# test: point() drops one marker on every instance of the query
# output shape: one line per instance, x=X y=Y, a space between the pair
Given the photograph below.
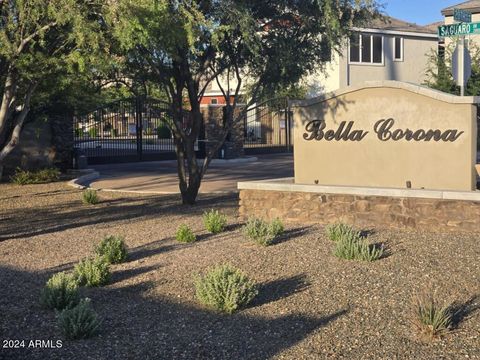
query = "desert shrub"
x=90 y=196
x=60 y=292
x=258 y=230
x=353 y=247
x=214 y=221
x=262 y=232
x=92 y=272
x=225 y=288
x=431 y=316
x=337 y=231
x=185 y=234
x=276 y=227
x=24 y=177
x=112 y=249
x=79 y=322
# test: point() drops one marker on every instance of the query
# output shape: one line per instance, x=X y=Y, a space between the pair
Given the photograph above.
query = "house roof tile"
x=393 y=24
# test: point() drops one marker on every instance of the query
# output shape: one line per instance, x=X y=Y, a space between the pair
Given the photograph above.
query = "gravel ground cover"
x=311 y=305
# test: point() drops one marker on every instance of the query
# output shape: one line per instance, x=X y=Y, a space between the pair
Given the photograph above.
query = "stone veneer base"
x=430 y=210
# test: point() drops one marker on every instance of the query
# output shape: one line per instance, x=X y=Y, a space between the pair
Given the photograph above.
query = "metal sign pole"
x=461 y=61
x=462 y=66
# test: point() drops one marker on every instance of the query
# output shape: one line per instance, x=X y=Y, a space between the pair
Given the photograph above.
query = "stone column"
x=214 y=119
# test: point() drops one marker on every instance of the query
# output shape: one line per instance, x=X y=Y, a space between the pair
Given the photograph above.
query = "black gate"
x=126 y=131
x=268 y=127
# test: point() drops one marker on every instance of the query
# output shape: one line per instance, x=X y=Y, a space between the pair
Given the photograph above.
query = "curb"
x=82 y=181
x=241 y=160
x=153 y=192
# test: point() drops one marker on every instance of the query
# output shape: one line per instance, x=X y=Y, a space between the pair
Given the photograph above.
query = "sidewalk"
x=161 y=176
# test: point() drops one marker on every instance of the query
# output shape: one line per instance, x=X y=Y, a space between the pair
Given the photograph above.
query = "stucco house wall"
x=411 y=69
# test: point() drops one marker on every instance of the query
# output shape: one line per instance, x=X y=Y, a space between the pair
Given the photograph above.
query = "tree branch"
x=20 y=119
x=29 y=38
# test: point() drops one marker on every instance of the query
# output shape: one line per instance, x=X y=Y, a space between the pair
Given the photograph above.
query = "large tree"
x=39 y=40
x=184 y=45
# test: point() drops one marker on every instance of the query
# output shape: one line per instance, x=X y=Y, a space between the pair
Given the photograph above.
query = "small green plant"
x=431 y=316
x=214 y=221
x=258 y=231
x=79 y=322
x=353 y=247
x=93 y=132
x=225 y=288
x=276 y=227
x=24 y=177
x=185 y=234
x=336 y=232
x=262 y=232
x=92 y=272
x=60 y=292
x=90 y=196
x=112 y=249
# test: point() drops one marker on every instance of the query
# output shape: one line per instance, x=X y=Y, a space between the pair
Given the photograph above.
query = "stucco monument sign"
x=386 y=137
x=386 y=154
x=384 y=130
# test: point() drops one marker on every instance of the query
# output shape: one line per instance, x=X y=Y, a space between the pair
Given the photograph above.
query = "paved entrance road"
x=161 y=176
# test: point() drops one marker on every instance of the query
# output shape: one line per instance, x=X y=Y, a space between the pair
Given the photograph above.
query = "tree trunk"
x=18 y=121
x=189 y=174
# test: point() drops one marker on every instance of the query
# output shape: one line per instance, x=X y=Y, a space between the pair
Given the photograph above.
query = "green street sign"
x=459 y=29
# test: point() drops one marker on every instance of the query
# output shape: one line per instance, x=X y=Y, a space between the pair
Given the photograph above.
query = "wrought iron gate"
x=268 y=127
x=125 y=131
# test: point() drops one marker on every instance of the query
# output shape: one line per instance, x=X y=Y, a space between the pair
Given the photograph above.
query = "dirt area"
x=311 y=305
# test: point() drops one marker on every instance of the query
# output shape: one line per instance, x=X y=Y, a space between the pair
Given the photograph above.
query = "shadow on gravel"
x=280 y=289
x=143 y=325
x=233 y=227
x=463 y=310
x=150 y=249
x=73 y=214
x=290 y=234
x=121 y=275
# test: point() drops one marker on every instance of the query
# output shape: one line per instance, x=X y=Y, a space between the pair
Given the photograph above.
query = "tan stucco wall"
x=411 y=69
x=324 y=80
x=372 y=162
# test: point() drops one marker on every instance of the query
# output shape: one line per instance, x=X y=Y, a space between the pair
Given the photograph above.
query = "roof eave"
x=449 y=12
x=398 y=32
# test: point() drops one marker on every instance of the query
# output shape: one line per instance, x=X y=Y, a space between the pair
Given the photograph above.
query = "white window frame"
x=371 y=63
x=214 y=101
x=401 y=48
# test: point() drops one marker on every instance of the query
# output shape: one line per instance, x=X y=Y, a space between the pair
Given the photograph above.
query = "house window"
x=214 y=101
x=366 y=49
x=398 y=49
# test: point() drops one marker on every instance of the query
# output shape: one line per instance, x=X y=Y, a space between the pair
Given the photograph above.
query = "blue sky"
x=421 y=12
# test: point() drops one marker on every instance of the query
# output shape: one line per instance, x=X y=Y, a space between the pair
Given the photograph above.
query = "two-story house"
x=386 y=50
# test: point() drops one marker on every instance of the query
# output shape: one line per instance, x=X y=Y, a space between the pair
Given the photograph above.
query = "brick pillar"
x=62 y=140
x=213 y=116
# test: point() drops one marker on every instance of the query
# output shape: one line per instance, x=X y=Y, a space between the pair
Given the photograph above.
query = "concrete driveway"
x=161 y=176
